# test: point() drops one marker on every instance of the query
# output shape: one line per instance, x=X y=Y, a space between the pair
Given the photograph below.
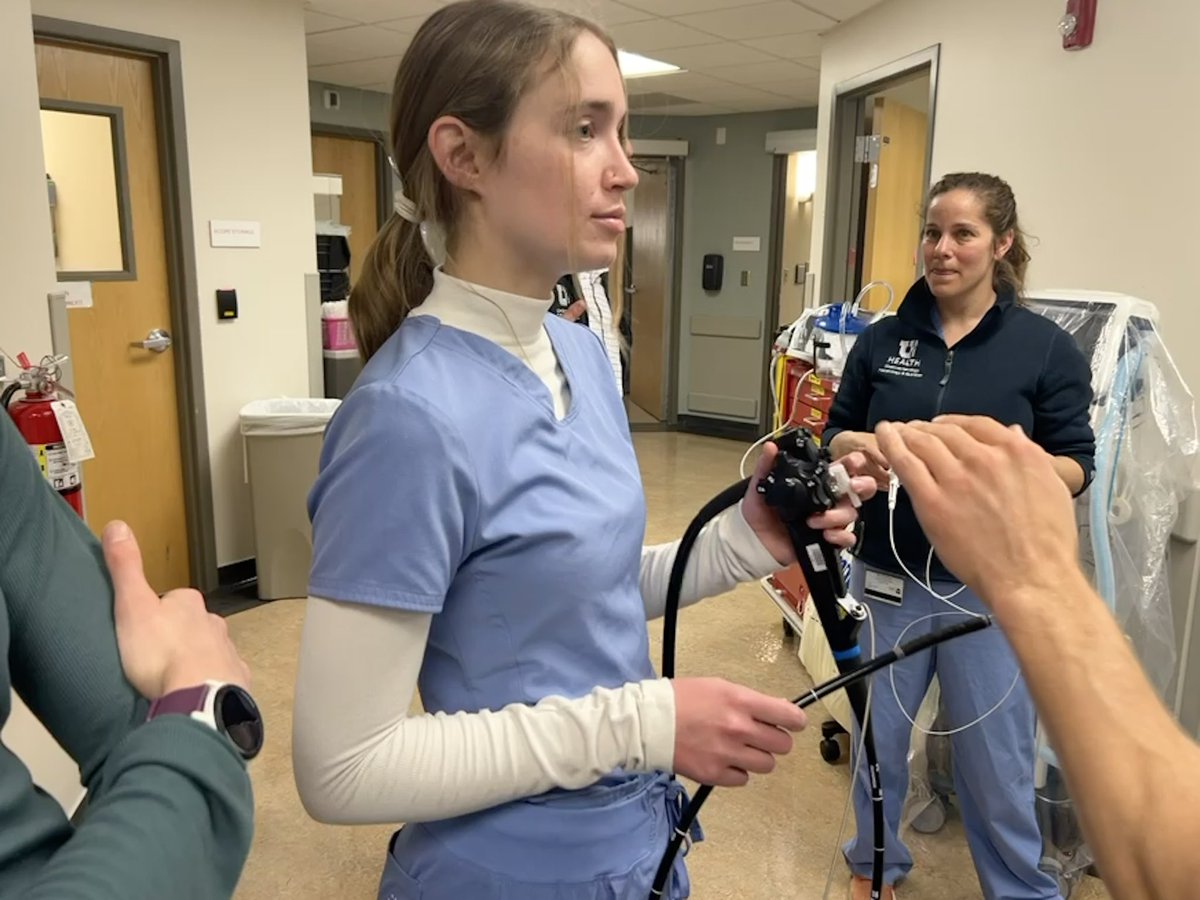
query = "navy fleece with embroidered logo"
x=1016 y=366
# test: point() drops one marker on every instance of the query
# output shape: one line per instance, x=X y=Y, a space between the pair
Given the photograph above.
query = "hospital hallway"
x=774 y=839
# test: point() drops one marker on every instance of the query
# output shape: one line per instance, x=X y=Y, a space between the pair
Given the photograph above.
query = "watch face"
x=238 y=717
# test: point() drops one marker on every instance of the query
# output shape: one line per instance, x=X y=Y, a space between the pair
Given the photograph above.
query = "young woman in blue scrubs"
x=478 y=518
x=961 y=343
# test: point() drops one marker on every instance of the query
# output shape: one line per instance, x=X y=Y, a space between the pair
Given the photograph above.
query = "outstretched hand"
x=989 y=500
x=773 y=533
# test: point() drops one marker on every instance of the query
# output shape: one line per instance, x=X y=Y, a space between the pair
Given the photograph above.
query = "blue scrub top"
x=448 y=486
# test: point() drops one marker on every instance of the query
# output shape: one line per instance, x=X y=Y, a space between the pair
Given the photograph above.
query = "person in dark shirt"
x=962 y=342
x=146 y=694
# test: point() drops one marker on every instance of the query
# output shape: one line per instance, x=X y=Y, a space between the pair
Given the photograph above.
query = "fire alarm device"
x=1078 y=24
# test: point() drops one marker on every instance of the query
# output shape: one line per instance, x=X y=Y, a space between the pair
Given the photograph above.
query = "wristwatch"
x=225 y=707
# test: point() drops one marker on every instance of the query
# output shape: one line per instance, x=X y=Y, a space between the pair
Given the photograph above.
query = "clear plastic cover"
x=1146 y=447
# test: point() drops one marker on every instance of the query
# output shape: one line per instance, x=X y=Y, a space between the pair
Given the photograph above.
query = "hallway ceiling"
x=739 y=55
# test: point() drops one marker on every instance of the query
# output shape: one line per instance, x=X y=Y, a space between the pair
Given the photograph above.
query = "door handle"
x=157 y=341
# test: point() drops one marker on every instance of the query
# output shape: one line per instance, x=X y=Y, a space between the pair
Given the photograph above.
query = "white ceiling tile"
x=789 y=46
x=670 y=84
x=350 y=44
x=407 y=25
x=801 y=91
x=764 y=105
x=315 y=21
x=371 y=11
x=382 y=87
x=809 y=88
x=606 y=12
x=682 y=7
x=726 y=94
x=840 y=9
x=659 y=34
x=713 y=55
x=755 y=73
x=694 y=109
x=357 y=74
x=611 y=14
x=760 y=20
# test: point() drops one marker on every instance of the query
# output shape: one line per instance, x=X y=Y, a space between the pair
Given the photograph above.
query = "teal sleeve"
x=170 y=808
x=173 y=818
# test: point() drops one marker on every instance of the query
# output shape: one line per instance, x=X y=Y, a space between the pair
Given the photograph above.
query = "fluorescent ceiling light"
x=635 y=66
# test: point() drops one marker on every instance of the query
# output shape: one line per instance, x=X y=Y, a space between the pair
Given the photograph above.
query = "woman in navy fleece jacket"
x=962 y=342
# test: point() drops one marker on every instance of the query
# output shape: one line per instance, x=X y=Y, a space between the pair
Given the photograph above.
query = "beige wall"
x=28 y=263
x=1091 y=141
x=246 y=101
x=26 y=253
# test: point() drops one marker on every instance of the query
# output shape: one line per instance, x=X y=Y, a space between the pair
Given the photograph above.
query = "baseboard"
x=721 y=428
x=236 y=574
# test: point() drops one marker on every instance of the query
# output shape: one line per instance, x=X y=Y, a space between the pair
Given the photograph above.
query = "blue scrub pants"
x=993 y=760
x=601 y=843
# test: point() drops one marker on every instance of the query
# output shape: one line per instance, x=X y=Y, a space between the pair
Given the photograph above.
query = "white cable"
x=762 y=440
x=858 y=756
x=904 y=712
x=893 y=490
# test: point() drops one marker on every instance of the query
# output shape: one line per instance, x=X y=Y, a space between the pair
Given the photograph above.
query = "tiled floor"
x=776 y=838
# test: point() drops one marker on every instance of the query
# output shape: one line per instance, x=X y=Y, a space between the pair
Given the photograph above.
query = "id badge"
x=884 y=587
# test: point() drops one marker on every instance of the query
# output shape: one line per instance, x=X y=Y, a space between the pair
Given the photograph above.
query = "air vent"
x=657 y=100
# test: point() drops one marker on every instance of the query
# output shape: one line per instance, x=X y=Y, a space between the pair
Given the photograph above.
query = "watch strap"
x=184 y=701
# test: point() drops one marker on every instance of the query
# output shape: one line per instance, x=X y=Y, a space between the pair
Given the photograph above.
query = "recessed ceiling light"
x=634 y=65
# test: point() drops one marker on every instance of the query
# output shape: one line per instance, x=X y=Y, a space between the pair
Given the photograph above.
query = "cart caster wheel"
x=831 y=750
x=788 y=631
x=1055 y=869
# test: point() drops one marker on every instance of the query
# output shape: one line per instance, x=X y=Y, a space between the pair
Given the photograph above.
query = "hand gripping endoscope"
x=803 y=482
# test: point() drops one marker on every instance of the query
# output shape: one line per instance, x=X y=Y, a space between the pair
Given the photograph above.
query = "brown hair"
x=1000 y=210
x=473 y=60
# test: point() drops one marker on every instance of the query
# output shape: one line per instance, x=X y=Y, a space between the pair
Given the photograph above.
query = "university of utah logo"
x=905 y=363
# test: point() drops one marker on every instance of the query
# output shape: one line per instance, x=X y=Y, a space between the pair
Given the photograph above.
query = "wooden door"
x=127 y=395
x=895 y=196
x=649 y=306
x=357 y=161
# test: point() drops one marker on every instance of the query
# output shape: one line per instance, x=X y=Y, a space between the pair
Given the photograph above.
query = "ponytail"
x=1009 y=275
x=396 y=276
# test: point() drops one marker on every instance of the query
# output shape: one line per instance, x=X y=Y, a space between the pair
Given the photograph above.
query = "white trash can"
x=282 y=444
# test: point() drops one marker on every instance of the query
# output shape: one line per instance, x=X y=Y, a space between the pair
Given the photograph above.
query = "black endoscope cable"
x=975 y=623
x=791 y=477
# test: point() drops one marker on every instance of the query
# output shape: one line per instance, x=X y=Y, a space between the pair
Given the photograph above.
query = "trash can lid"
x=287 y=415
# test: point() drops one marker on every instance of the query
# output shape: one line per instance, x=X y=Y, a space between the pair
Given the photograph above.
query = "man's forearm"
x=1126 y=761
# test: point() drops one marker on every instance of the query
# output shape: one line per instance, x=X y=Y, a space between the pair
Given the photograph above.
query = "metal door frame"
x=843 y=175
x=165 y=58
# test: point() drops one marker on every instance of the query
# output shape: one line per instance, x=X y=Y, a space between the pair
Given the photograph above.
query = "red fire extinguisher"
x=38 y=422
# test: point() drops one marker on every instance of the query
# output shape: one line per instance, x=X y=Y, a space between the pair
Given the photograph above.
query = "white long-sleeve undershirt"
x=361 y=756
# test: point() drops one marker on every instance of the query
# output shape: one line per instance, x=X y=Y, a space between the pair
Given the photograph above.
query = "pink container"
x=337 y=334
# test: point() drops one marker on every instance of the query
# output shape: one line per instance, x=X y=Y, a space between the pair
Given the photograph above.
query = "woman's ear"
x=457 y=151
x=1004 y=244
